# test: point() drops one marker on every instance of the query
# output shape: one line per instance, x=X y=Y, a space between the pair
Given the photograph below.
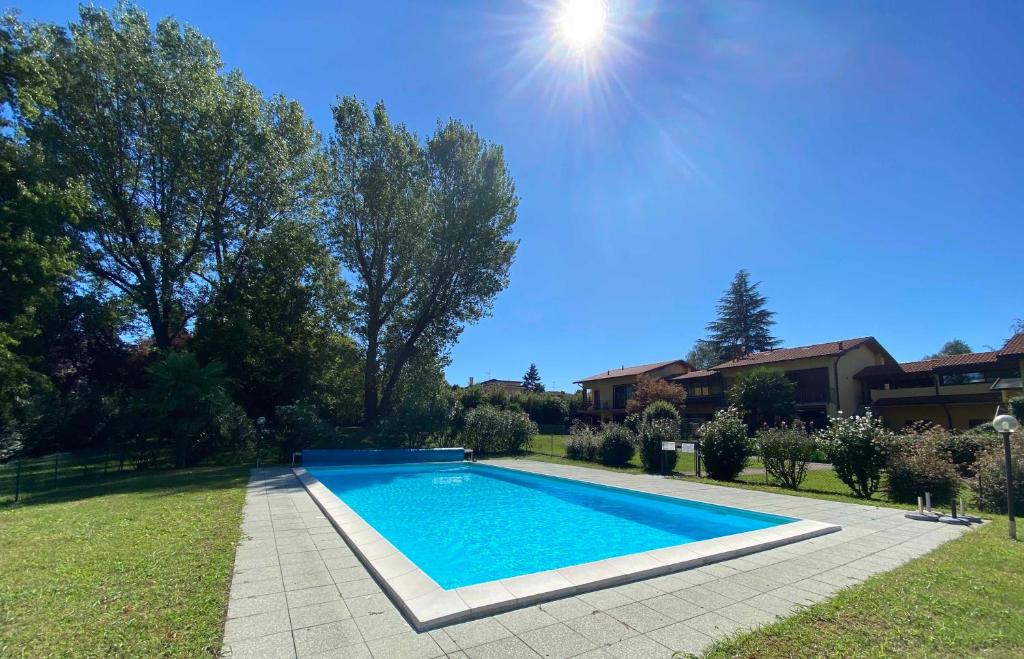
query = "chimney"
x=471 y=380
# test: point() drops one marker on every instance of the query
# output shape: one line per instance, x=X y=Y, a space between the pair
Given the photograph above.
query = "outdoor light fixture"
x=1006 y=424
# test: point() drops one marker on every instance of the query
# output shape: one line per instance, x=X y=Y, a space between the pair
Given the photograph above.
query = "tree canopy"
x=744 y=324
x=531 y=379
x=954 y=347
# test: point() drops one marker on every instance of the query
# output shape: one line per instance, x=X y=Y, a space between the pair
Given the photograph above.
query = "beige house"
x=608 y=392
x=957 y=392
x=824 y=374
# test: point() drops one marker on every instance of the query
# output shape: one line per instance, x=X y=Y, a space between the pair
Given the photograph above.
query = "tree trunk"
x=370 y=404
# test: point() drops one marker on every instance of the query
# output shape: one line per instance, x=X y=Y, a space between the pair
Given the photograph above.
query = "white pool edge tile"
x=427 y=606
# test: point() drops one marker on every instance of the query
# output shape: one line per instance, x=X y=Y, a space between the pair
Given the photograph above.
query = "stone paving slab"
x=299 y=591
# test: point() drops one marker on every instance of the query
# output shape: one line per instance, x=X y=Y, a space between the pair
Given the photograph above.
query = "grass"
x=963 y=599
x=132 y=564
x=554 y=446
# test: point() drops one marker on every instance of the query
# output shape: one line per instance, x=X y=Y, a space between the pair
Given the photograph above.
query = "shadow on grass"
x=156 y=482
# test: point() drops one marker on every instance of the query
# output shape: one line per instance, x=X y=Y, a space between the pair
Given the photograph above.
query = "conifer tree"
x=531 y=379
x=744 y=324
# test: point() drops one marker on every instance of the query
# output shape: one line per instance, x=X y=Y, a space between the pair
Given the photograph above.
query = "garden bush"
x=583 y=443
x=918 y=463
x=964 y=447
x=1017 y=408
x=765 y=396
x=858 y=447
x=548 y=409
x=785 y=451
x=659 y=423
x=724 y=445
x=490 y=430
x=989 y=484
x=618 y=445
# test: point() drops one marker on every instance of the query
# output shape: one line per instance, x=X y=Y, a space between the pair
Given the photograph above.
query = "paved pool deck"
x=299 y=591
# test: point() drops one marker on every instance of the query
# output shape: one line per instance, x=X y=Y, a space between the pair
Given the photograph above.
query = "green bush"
x=1017 y=407
x=724 y=446
x=859 y=448
x=583 y=443
x=766 y=397
x=544 y=408
x=964 y=447
x=918 y=463
x=785 y=451
x=659 y=423
x=618 y=445
x=490 y=430
x=989 y=484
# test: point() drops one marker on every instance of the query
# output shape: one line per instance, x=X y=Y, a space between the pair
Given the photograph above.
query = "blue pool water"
x=465 y=524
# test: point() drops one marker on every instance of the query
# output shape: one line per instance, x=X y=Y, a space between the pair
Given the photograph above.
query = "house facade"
x=956 y=391
x=607 y=393
x=824 y=375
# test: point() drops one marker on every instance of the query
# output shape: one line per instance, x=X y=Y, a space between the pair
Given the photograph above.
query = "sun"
x=581 y=23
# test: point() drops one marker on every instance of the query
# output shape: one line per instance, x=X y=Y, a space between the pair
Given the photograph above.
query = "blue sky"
x=864 y=160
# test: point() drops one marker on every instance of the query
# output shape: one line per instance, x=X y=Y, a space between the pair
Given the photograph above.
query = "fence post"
x=260 y=424
x=17 y=481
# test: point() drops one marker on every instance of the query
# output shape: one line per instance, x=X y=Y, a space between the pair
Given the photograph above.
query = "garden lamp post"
x=1004 y=425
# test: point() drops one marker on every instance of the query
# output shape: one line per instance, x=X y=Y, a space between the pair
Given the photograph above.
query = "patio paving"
x=299 y=591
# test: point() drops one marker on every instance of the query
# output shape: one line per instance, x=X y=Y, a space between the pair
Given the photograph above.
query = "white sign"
x=668 y=446
x=686 y=447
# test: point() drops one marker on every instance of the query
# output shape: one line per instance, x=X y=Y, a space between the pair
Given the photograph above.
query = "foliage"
x=300 y=426
x=963 y=446
x=423 y=229
x=583 y=443
x=490 y=430
x=544 y=408
x=919 y=463
x=184 y=164
x=186 y=406
x=724 y=446
x=531 y=379
x=618 y=445
x=990 y=482
x=426 y=407
x=785 y=451
x=858 y=448
x=766 y=396
x=1017 y=407
x=954 y=347
x=659 y=422
x=649 y=390
x=744 y=324
x=703 y=355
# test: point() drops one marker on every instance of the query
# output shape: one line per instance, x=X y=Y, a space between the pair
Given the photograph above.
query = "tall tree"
x=531 y=379
x=744 y=324
x=703 y=355
x=949 y=348
x=423 y=230
x=184 y=165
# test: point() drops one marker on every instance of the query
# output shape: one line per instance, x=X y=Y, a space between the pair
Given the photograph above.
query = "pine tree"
x=531 y=379
x=743 y=325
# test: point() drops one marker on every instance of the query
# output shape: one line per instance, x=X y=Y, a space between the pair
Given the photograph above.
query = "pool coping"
x=427 y=606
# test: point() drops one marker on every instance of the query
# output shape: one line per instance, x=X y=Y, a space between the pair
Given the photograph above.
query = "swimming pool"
x=453 y=541
x=465 y=523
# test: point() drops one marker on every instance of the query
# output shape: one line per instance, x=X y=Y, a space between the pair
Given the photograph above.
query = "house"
x=608 y=392
x=511 y=386
x=824 y=374
x=955 y=391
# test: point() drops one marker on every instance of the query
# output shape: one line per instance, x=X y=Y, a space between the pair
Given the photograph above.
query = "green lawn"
x=966 y=598
x=135 y=564
x=554 y=445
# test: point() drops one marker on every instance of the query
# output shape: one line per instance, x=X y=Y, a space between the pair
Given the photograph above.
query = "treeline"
x=182 y=256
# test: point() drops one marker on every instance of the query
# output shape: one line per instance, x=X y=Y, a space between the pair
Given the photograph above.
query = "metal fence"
x=688 y=460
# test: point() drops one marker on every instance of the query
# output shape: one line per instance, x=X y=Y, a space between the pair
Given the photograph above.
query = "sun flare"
x=581 y=23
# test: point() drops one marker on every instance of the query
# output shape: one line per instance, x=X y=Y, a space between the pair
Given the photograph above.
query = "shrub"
x=583 y=443
x=766 y=396
x=1017 y=408
x=858 y=447
x=964 y=447
x=724 y=446
x=918 y=463
x=649 y=390
x=618 y=445
x=544 y=408
x=659 y=423
x=490 y=430
x=785 y=451
x=990 y=483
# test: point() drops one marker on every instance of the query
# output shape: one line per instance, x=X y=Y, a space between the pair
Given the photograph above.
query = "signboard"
x=668 y=446
x=687 y=447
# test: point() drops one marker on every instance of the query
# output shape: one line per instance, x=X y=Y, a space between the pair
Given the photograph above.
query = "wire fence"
x=688 y=461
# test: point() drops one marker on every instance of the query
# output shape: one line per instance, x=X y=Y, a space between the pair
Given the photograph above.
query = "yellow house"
x=608 y=392
x=956 y=391
x=824 y=374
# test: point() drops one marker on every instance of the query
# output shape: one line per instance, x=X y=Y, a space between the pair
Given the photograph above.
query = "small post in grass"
x=1005 y=424
x=260 y=423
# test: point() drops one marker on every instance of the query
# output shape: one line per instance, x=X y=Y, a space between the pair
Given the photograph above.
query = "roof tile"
x=830 y=349
x=629 y=370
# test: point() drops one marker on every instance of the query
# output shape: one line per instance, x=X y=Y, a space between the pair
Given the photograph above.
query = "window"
x=621 y=394
x=811 y=384
x=975 y=377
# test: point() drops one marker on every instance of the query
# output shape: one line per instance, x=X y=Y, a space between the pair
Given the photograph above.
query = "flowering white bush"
x=859 y=448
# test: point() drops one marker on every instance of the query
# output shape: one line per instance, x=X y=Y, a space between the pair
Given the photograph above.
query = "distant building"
x=511 y=386
x=607 y=393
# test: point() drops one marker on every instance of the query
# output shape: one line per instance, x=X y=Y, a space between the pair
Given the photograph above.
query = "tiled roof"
x=630 y=370
x=693 y=375
x=931 y=365
x=1015 y=346
x=830 y=349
